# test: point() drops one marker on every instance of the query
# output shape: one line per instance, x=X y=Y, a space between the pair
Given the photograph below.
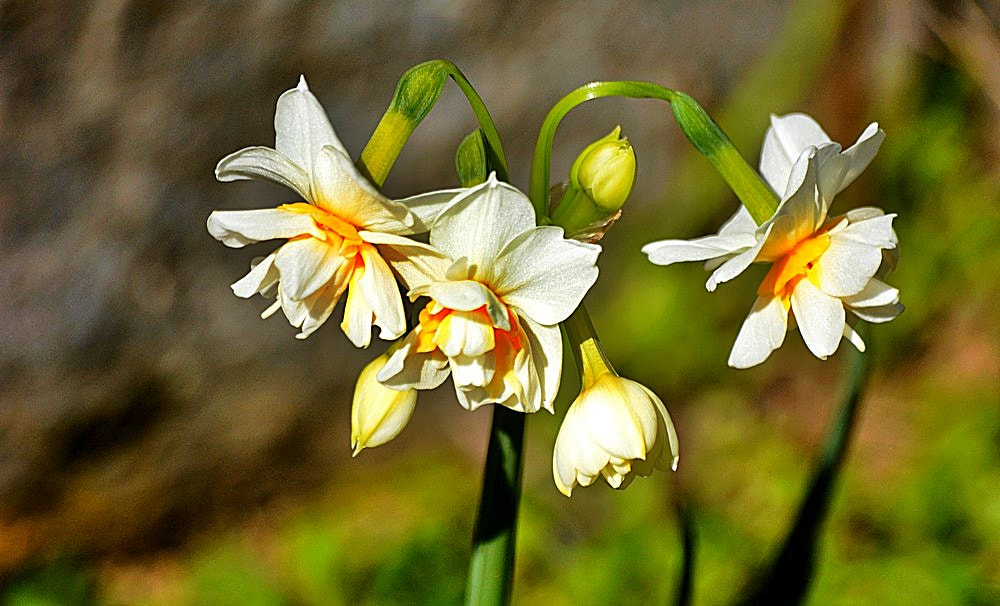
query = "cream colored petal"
x=670 y=453
x=319 y=307
x=878 y=314
x=306 y=265
x=615 y=424
x=545 y=275
x=471 y=371
x=545 y=349
x=264 y=163
x=854 y=338
x=762 y=332
x=785 y=140
x=261 y=277
x=799 y=215
x=876 y=231
x=820 y=318
x=481 y=222
x=339 y=188
x=667 y=252
x=876 y=293
x=428 y=206
x=738 y=264
x=844 y=168
x=237 y=228
x=358 y=313
x=468 y=295
x=301 y=127
x=382 y=293
x=417 y=264
x=407 y=368
x=846 y=267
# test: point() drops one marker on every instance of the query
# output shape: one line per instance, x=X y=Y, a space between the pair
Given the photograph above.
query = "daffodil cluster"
x=491 y=287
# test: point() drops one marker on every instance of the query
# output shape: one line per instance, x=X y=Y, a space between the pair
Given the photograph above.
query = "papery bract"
x=497 y=286
x=822 y=267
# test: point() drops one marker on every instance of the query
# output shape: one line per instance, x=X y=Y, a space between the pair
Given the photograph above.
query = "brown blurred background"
x=148 y=416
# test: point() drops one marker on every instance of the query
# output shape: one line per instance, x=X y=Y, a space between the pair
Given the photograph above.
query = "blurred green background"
x=159 y=444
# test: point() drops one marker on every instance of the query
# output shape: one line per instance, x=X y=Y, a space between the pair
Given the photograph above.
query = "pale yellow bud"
x=605 y=171
x=616 y=428
x=378 y=413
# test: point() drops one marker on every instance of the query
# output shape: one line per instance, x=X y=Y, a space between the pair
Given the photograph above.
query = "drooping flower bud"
x=379 y=413
x=600 y=182
x=616 y=428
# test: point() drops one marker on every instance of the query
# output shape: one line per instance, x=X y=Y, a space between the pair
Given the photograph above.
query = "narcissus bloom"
x=378 y=413
x=616 y=428
x=328 y=250
x=498 y=286
x=822 y=267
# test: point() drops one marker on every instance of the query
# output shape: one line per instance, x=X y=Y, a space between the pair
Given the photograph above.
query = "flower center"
x=469 y=333
x=797 y=264
x=326 y=221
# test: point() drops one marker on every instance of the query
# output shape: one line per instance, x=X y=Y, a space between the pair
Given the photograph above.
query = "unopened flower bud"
x=379 y=413
x=605 y=171
x=615 y=428
x=600 y=182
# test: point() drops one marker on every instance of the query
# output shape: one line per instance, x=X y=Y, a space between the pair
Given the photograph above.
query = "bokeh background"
x=160 y=444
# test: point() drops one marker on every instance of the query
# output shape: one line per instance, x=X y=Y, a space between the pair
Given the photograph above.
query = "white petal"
x=846 y=267
x=467 y=295
x=762 y=332
x=306 y=265
x=851 y=335
x=429 y=206
x=875 y=294
x=237 y=228
x=842 y=170
x=544 y=274
x=614 y=426
x=382 y=293
x=264 y=163
x=472 y=371
x=338 y=187
x=876 y=231
x=880 y=314
x=262 y=275
x=736 y=265
x=799 y=215
x=667 y=252
x=785 y=140
x=545 y=349
x=406 y=368
x=481 y=222
x=418 y=264
x=820 y=318
x=740 y=223
x=318 y=308
x=301 y=127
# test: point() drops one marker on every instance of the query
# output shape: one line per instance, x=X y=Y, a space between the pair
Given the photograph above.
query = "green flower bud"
x=600 y=182
x=605 y=171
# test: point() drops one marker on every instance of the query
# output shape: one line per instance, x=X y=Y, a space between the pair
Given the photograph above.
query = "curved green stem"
x=417 y=92
x=699 y=128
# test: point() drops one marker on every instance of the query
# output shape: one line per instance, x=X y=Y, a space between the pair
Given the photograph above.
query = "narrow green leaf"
x=788 y=578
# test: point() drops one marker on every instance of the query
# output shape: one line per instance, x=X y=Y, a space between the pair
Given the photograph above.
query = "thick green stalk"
x=491 y=570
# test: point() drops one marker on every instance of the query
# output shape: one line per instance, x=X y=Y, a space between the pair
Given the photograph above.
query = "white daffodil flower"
x=328 y=250
x=822 y=268
x=615 y=428
x=498 y=288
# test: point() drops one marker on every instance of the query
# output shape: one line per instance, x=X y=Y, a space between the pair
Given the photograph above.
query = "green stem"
x=417 y=92
x=491 y=570
x=706 y=136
